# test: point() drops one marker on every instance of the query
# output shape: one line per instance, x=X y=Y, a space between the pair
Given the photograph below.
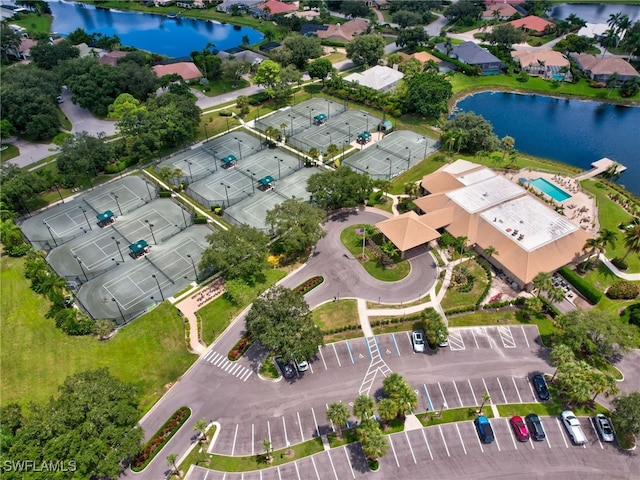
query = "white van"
x=572 y=424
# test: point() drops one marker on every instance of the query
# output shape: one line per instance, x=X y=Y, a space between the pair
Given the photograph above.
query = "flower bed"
x=162 y=436
x=309 y=285
x=240 y=347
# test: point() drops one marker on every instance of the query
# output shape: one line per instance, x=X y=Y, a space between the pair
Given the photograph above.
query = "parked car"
x=485 y=432
x=286 y=368
x=519 y=428
x=572 y=424
x=541 y=386
x=535 y=427
x=444 y=343
x=302 y=366
x=59 y=99
x=417 y=338
x=604 y=427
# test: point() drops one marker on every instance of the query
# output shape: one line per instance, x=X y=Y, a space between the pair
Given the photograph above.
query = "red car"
x=520 y=428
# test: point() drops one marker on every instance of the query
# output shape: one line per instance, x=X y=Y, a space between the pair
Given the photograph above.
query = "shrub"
x=634 y=314
x=199 y=220
x=225 y=113
x=73 y=322
x=585 y=288
x=309 y=285
x=258 y=98
x=164 y=193
x=619 y=263
x=161 y=437
x=240 y=347
x=115 y=167
x=18 y=250
x=623 y=290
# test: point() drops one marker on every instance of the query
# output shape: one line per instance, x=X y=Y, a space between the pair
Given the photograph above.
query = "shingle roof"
x=424 y=57
x=605 y=66
x=407 y=231
x=346 y=30
x=275 y=7
x=472 y=54
x=504 y=9
x=187 y=70
x=549 y=57
x=532 y=22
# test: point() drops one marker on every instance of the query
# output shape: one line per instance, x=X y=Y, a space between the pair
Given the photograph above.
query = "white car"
x=572 y=424
x=302 y=366
x=417 y=338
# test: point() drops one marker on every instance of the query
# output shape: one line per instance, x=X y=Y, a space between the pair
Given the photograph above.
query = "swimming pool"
x=550 y=189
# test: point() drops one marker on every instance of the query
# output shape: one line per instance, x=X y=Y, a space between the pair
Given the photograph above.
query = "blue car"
x=485 y=432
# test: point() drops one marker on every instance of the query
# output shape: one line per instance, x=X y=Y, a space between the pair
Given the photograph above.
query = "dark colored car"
x=535 y=427
x=485 y=432
x=286 y=368
x=519 y=428
x=541 y=387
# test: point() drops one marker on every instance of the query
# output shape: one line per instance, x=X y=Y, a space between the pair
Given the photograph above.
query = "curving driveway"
x=345 y=277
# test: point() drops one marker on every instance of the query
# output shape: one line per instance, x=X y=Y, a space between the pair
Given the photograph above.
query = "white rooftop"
x=459 y=166
x=485 y=194
x=378 y=77
x=535 y=223
x=476 y=176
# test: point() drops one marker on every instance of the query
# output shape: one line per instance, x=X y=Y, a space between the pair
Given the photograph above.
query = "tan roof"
x=345 y=31
x=112 y=58
x=407 y=231
x=505 y=10
x=440 y=182
x=187 y=70
x=424 y=57
x=549 y=58
x=438 y=218
x=26 y=44
x=532 y=22
x=606 y=66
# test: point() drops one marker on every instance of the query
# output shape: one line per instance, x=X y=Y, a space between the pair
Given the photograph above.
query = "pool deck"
x=580 y=208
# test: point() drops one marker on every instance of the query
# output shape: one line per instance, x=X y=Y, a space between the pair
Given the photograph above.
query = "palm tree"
x=332 y=149
x=607 y=237
x=485 y=398
x=283 y=128
x=560 y=356
x=387 y=409
x=612 y=82
x=245 y=40
x=490 y=251
x=338 y=414
x=542 y=281
x=268 y=450
x=313 y=153
x=10 y=233
x=389 y=248
x=171 y=461
x=401 y=393
x=507 y=143
x=614 y=18
x=609 y=39
x=200 y=426
x=363 y=407
x=555 y=294
x=632 y=241
x=373 y=441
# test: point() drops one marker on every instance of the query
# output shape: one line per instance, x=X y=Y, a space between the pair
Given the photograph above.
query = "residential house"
x=533 y=25
x=243 y=5
x=510 y=2
x=10 y=11
x=601 y=69
x=270 y=8
x=306 y=14
x=87 y=51
x=472 y=55
x=379 y=4
x=112 y=58
x=424 y=57
x=499 y=11
x=245 y=55
x=311 y=29
x=383 y=79
x=187 y=70
x=543 y=63
x=344 y=32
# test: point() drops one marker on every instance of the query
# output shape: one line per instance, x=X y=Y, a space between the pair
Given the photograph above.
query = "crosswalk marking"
x=233 y=368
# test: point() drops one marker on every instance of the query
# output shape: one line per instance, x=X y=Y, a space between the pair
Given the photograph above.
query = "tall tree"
x=366 y=49
x=281 y=321
x=507 y=143
x=338 y=414
x=84 y=154
x=505 y=36
x=560 y=355
x=363 y=407
x=427 y=94
x=480 y=134
x=401 y=393
x=626 y=415
x=303 y=49
x=632 y=241
x=321 y=69
x=9 y=41
x=373 y=441
x=296 y=224
x=340 y=188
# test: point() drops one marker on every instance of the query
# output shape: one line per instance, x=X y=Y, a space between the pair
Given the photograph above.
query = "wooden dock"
x=599 y=167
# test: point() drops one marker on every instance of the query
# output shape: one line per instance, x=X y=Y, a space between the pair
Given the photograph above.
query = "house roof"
x=345 y=31
x=424 y=57
x=308 y=28
x=275 y=7
x=26 y=44
x=504 y=9
x=377 y=77
x=532 y=22
x=407 y=231
x=187 y=70
x=472 y=54
x=550 y=58
x=112 y=58
x=605 y=66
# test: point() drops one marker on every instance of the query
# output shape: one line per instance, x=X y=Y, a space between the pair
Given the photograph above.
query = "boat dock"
x=601 y=166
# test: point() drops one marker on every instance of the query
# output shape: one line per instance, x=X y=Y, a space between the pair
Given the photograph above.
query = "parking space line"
x=546 y=437
x=310 y=367
x=336 y=352
x=593 y=427
x=253 y=432
x=322 y=356
x=393 y=449
x=533 y=394
x=531 y=442
x=313 y=462
x=475 y=400
x=427 y=443
x=269 y=432
x=444 y=399
x=516 y=387
x=410 y=447
x=486 y=390
x=350 y=352
x=486 y=334
x=395 y=343
x=426 y=392
x=300 y=425
x=511 y=434
x=474 y=338
x=295 y=464
x=316 y=421
x=503 y=395
x=366 y=343
x=332 y=465
x=277 y=469
x=225 y=475
x=478 y=438
x=525 y=336
x=495 y=437
x=460 y=436
x=410 y=342
x=344 y=449
x=235 y=435
x=562 y=433
x=444 y=441
x=506 y=336
x=284 y=427
x=458 y=393
x=455 y=340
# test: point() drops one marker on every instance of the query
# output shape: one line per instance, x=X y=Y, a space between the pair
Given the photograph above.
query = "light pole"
x=239 y=146
x=278 y=160
x=117 y=202
x=310 y=110
x=85 y=217
x=215 y=160
x=81 y=267
x=226 y=191
x=150 y=225
x=367 y=118
x=328 y=109
x=206 y=134
x=292 y=118
x=50 y=233
x=119 y=309
x=89 y=177
x=389 y=167
x=425 y=146
x=158 y=283
x=344 y=146
x=330 y=140
x=409 y=159
x=253 y=181
x=227 y=124
x=148 y=189
x=118 y=245
x=190 y=174
x=349 y=131
x=59 y=194
x=184 y=217
x=195 y=271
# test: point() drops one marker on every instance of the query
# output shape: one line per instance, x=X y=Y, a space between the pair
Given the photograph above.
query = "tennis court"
x=340 y=130
x=134 y=286
x=300 y=117
x=253 y=210
x=394 y=154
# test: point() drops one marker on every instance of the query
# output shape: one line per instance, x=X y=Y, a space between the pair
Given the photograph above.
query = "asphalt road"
x=344 y=277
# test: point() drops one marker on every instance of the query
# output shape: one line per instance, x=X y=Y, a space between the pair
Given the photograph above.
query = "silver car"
x=417 y=338
x=604 y=427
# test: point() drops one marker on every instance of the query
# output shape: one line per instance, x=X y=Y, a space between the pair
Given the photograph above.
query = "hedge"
x=309 y=285
x=199 y=220
x=161 y=437
x=466 y=69
x=164 y=193
x=240 y=347
x=587 y=290
x=487 y=270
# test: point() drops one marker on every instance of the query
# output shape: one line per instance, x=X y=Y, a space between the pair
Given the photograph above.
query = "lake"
x=153 y=33
x=576 y=132
x=597 y=13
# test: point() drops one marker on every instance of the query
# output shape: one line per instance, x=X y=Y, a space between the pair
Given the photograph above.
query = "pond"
x=576 y=132
x=154 y=33
x=595 y=13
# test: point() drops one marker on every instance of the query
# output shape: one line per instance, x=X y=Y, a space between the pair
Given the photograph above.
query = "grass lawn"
x=213 y=123
x=36 y=357
x=453 y=415
x=11 y=151
x=268 y=369
x=216 y=316
x=334 y=315
x=456 y=299
x=339 y=337
x=221 y=86
x=34 y=23
x=353 y=242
